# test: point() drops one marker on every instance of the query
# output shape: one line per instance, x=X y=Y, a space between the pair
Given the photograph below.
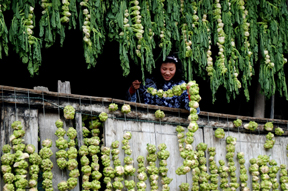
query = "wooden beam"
x=86 y=100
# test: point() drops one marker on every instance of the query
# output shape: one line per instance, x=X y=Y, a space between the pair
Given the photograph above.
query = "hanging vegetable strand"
x=21 y=35
x=93 y=30
x=3 y=29
x=50 y=21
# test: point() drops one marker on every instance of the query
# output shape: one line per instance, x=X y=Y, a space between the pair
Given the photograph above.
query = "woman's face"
x=168 y=70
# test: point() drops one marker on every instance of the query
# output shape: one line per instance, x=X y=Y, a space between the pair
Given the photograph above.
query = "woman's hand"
x=136 y=84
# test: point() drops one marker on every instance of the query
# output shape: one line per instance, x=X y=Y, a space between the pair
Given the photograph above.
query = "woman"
x=166 y=75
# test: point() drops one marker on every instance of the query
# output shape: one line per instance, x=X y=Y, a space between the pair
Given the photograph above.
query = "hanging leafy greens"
x=5 y=5
x=91 y=19
x=21 y=35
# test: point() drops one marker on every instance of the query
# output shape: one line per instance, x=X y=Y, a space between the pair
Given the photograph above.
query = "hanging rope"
x=16 y=116
x=29 y=108
x=58 y=105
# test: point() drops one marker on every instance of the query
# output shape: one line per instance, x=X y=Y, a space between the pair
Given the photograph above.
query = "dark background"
x=105 y=79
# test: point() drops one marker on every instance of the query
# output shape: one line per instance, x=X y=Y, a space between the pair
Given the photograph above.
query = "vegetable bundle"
x=254 y=170
x=230 y=148
x=142 y=176
x=213 y=169
x=47 y=164
x=163 y=155
x=152 y=170
x=243 y=171
x=21 y=35
x=203 y=176
x=3 y=29
x=269 y=143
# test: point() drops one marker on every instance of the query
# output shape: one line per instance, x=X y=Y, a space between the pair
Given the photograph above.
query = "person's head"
x=169 y=69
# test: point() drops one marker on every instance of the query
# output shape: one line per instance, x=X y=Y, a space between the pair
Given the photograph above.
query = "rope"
x=43 y=104
x=58 y=105
x=16 y=116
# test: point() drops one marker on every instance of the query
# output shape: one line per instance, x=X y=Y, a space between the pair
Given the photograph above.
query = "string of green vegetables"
x=5 y=5
x=21 y=35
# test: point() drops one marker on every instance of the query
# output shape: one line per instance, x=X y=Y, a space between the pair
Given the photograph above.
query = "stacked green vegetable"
x=269 y=143
x=129 y=170
x=94 y=126
x=20 y=166
x=109 y=172
x=252 y=126
x=204 y=176
x=119 y=170
x=96 y=174
x=91 y=20
x=283 y=177
x=34 y=167
x=126 y=147
x=213 y=169
x=230 y=147
x=152 y=170
x=21 y=35
x=16 y=137
x=273 y=170
x=7 y=161
x=181 y=137
x=94 y=149
x=263 y=161
x=46 y=164
x=219 y=133
x=243 y=171
x=186 y=152
x=4 y=31
x=193 y=89
x=17 y=160
x=142 y=176
x=61 y=144
x=194 y=164
x=254 y=170
x=72 y=158
x=163 y=155
x=223 y=172
x=85 y=168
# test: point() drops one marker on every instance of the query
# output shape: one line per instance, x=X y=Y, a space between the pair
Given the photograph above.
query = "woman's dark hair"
x=159 y=80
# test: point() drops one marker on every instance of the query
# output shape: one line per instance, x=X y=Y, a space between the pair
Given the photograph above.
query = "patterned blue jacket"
x=181 y=101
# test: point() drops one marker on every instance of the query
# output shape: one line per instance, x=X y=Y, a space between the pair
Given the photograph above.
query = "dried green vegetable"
x=21 y=35
x=92 y=23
